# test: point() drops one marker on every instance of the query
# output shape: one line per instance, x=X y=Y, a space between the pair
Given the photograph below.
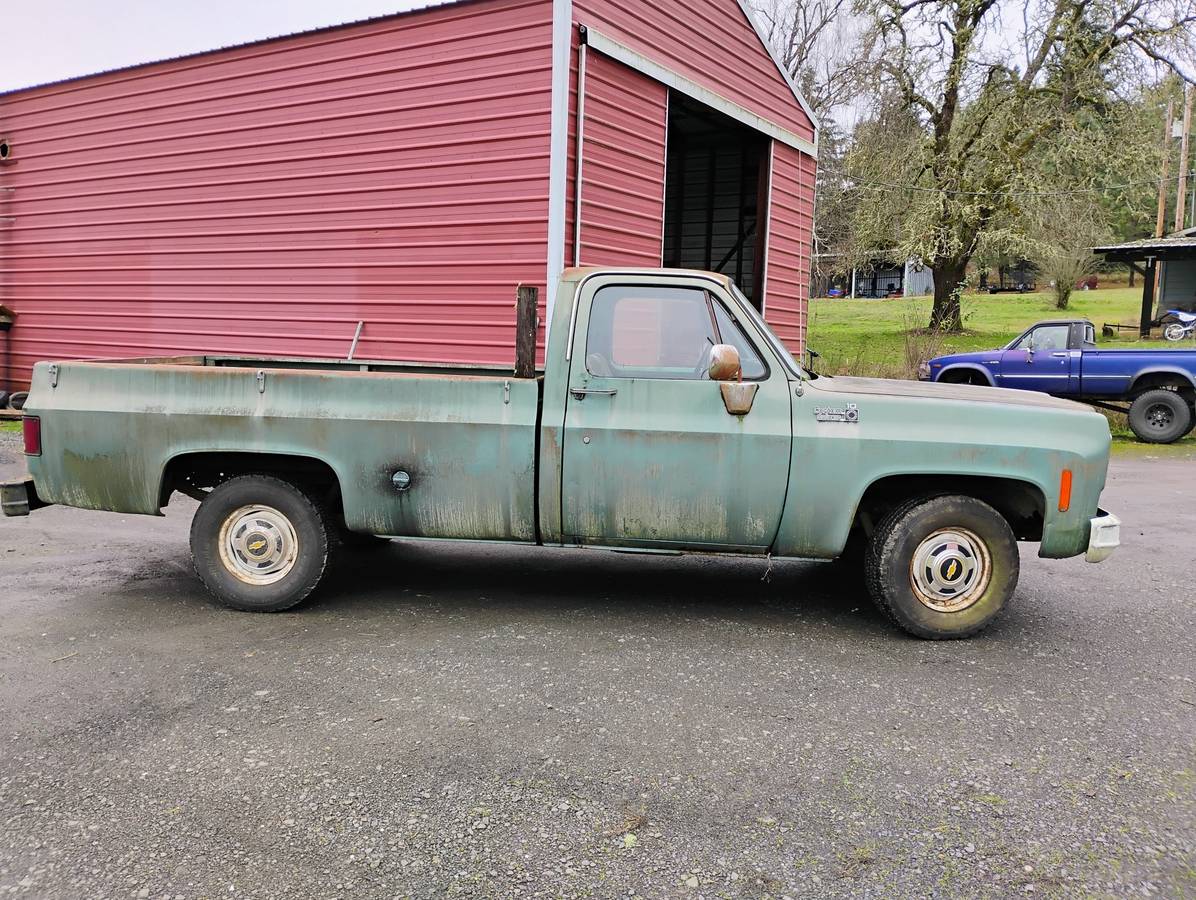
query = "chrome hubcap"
x=950 y=570
x=258 y=544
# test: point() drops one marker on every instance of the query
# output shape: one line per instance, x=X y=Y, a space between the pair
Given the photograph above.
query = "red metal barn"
x=408 y=172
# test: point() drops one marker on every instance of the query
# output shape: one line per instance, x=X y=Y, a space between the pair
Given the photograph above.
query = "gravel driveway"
x=500 y=722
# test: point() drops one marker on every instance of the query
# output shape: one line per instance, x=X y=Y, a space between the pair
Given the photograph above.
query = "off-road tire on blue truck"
x=1160 y=417
x=943 y=567
x=260 y=544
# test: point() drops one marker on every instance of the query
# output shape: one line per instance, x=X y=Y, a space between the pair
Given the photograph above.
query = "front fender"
x=968 y=367
x=834 y=462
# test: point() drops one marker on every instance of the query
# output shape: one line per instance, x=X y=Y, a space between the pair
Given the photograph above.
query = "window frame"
x=711 y=300
x=640 y=372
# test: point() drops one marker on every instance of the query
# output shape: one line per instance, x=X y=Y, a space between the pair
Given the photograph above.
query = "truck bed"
x=1111 y=373
x=465 y=435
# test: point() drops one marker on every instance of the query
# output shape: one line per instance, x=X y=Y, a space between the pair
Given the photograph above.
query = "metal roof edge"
x=641 y=63
x=1171 y=242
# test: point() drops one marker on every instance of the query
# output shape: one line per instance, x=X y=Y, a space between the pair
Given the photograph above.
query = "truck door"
x=1040 y=361
x=651 y=456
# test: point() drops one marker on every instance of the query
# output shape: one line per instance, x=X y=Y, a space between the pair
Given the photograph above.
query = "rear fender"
x=1142 y=378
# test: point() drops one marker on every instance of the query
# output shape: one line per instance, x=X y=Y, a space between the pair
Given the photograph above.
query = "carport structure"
x=406 y=173
x=1171 y=261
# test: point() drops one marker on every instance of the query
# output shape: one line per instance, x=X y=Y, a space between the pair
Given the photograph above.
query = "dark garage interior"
x=716 y=182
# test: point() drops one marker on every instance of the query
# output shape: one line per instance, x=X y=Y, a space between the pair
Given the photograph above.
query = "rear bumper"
x=1104 y=536
x=19 y=498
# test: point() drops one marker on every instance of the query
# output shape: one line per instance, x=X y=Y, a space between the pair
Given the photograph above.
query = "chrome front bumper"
x=1104 y=537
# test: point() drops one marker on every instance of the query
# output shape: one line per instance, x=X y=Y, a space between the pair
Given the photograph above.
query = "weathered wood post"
x=1148 y=278
x=526 y=301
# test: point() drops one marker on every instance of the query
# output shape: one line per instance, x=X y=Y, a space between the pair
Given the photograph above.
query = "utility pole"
x=1152 y=275
x=1158 y=226
x=1181 y=193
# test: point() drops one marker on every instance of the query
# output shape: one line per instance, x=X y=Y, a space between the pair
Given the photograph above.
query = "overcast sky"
x=48 y=40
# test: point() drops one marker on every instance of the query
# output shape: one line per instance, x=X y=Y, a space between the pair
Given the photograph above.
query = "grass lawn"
x=872 y=337
x=881 y=338
x=10 y=425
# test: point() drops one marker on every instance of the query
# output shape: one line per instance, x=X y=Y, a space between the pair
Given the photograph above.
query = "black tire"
x=1160 y=417
x=16 y=400
x=987 y=558
x=298 y=543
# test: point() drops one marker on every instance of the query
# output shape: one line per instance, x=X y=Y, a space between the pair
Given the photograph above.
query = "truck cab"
x=1045 y=357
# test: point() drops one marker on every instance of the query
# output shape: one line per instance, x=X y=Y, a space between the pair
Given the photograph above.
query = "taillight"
x=33 y=435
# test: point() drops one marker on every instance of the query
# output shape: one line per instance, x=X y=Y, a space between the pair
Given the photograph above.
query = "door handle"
x=582 y=393
x=1061 y=355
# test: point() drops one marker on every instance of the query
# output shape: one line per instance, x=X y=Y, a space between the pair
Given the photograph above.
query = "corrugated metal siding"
x=790 y=226
x=266 y=198
x=710 y=43
x=623 y=166
x=714 y=45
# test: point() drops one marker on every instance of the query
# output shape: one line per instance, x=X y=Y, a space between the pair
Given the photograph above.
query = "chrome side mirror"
x=724 y=363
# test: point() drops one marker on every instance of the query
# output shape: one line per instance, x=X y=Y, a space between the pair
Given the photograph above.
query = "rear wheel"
x=943 y=567
x=1174 y=332
x=1160 y=417
x=259 y=543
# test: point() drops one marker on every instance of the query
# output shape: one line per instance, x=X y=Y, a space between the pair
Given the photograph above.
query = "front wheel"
x=942 y=568
x=1160 y=417
x=1174 y=332
x=260 y=544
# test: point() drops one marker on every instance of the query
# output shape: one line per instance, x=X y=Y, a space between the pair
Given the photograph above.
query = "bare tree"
x=986 y=92
x=818 y=42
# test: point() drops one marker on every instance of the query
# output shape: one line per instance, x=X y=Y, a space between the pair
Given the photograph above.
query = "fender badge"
x=849 y=413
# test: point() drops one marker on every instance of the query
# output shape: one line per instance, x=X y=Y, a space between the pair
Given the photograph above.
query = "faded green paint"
x=665 y=465
x=111 y=428
x=661 y=463
x=904 y=429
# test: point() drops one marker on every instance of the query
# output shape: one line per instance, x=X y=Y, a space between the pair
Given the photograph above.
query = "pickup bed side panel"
x=467 y=442
x=1111 y=373
x=834 y=462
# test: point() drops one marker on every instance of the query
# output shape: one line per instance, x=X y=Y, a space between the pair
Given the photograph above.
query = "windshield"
x=780 y=349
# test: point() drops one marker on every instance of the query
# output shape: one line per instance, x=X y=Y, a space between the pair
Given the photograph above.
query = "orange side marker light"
x=1065 y=491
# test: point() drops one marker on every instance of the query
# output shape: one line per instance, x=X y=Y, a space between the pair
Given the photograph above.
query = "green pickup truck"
x=668 y=418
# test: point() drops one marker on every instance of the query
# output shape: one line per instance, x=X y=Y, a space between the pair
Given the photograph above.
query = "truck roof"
x=577 y=273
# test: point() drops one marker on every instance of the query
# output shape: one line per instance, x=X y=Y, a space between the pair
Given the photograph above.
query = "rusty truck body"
x=667 y=418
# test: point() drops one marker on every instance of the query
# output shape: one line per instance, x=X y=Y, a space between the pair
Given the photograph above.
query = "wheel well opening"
x=963 y=376
x=194 y=474
x=1167 y=381
x=1022 y=504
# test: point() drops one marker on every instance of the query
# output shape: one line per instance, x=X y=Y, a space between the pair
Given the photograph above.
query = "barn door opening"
x=716 y=195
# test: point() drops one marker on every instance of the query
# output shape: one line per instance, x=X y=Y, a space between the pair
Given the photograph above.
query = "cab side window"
x=729 y=332
x=649 y=332
x=662 y=332
x=1045 y=339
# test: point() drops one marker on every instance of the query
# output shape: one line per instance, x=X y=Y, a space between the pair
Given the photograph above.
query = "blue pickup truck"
x=1155 y=388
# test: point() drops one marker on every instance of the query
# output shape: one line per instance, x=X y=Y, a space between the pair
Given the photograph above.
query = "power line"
x=893 y=186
